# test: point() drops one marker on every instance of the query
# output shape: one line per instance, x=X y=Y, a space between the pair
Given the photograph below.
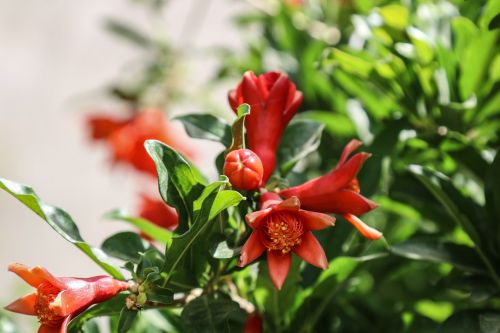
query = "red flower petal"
x=311 y=251
x=252 y=249
x=50 y=329
x=316 y=221
x=340 y=202
x=24 y=305
x=253 y=324
x=364 y=229
x=255 y=219
x=279 y=265
x=348 y=149
x=290 y=204
x=35 y=276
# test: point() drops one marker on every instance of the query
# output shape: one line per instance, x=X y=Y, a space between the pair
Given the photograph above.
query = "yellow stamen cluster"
x=46 y=295
x=283 y=231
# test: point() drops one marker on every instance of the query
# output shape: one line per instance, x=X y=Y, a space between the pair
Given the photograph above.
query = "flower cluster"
x=287 y=215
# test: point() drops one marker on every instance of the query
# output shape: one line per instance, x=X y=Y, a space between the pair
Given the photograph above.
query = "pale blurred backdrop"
x=55 y=58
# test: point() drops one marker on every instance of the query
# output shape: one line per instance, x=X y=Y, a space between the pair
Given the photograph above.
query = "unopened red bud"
x=244 y=169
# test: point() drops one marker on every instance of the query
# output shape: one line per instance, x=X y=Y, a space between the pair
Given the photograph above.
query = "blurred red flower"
x=338 y=191
x=274 y=100
x=281 y=227
x=126 y=137
x=58 y=299
x=157 y=212
x=253 y=323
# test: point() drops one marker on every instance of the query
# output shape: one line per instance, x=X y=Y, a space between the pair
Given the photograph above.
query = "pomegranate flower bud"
x=338 y=191
x=58 y=299
x=244 y=169
x=280 y=228
x=274 y=101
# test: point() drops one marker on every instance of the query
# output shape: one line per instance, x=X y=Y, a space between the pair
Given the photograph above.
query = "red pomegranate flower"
x=274 y=100
x=126 y=137
x=338 y=191
x=281 y=227
x=244 y=169
x=157 y=212
x=253 y=323
x=58 y=299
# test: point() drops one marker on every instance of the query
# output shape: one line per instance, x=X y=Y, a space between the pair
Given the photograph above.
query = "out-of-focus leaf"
x=491 y=15
x=8 y=326
x=395 y=16
x=125 y=246
x=111 y=307
x=223 y=251
x=330 y=283
x=300 y=139
x=475 y=61
x=336 y=124
x=152 y=230
x=61 y=222
x=489 y=322
x=438 y=311
x=463 y=321
x=460 y=256
x=206 y=314
x=126 y=31
x=351 y=63
x=207 y=126
x=126 y=319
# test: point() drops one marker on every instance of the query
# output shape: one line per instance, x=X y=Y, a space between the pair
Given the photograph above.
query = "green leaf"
x=475 y=62
x=110 y=307
x=492 y=193
x=462 y=321
x=237 y=129
x=395 y=16
x=160 y=295
x=460 y=256
x=351 y=63
x=223 y=251
x=61 y=222
x=152 y=230
x=125 y=246
x=335 y=123
x=179 y=182
x=210 y=315
x=126 y=319
x=300 y=139
x=208 y=127
x=330 y=283
x=126 y=31
x=210 y=203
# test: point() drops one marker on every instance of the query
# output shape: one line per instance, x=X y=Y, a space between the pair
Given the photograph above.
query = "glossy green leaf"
x=351 y=63
x=179 y=182
x=125 y=246
x=460 y=256
x=223 y=251
x=110 y=307
x=237 y=130
x=206 y=314
x=299 y=139
x=211 y=203
x=152 y=230
x=61 y=222
x=207 y=126
x=126 y=31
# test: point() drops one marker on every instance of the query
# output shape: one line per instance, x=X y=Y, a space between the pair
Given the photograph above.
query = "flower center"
x=46 y=295
x=283 y=231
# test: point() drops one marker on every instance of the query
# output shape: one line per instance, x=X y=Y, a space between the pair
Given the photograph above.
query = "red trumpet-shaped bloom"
x=244 y=169
x=58 y=299
x=157 y=212
x=338 y=191
x=280 y=228
x=274 y=100
x=126 y=136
